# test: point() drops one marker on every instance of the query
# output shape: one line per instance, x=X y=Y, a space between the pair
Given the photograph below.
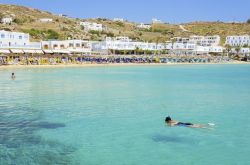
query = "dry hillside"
x=27 y=20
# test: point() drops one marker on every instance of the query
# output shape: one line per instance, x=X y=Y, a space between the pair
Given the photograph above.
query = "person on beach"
x=171 y=123
x=13 y=77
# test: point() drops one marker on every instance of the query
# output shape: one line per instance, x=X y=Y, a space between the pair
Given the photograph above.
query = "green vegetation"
x=228 y=49
x=1 y=16
x=108 y=34
x=21 y=21
x=51 y=34
x=248 y=21
x=121 y=24
x=34 y=33
x=47 y=34
x=237 y=49
x=245 y=46
x=94 y=32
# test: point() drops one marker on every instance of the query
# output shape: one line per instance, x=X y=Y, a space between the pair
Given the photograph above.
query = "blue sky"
x=172 y=11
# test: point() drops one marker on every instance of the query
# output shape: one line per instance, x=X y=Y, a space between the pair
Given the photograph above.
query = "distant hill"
x=27 y=20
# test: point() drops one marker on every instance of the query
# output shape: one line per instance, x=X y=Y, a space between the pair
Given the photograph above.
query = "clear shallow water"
x=115 y=115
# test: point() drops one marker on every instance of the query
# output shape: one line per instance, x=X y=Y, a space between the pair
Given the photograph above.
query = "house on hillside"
x=143 y=26
x=118 y=20
x=155 y=21
x=6 y=20
x=88 y=26
x=45 y=20
x=63 y=15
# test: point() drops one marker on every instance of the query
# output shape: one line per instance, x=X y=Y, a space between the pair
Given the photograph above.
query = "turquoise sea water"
x=115 y=115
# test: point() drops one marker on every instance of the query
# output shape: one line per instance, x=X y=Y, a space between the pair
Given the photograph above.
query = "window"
x=2 y=36
x=20 y=37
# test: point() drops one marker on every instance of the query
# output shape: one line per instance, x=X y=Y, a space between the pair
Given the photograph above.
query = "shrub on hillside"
x=19 y=21
x=34 y=32
x=6 y=29
x=94 y=32
x=108 y=34
x=1 y=16
x=51 y=34
x=121 y=24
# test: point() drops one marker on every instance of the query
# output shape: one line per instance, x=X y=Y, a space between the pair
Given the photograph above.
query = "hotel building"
x=205 y=40
x=238 y=40
x=66 y=46
x=15 y=42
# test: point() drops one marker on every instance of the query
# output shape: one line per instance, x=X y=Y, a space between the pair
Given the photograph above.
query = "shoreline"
x=113 y=64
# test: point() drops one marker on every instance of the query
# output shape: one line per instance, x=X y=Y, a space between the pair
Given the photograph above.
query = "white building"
x=46 y=20
x=241 y=51
x=143 y=26
x=205 y=40
x=180 y=40
x=125 y=43
x=185 y=46
x=63 y=15
x=66 y=46
x=92 y=26
x=245 y=51
x=238 y=40
x=7 y=20
x=216 y=49
x=16 y=42
x=118 y=20
x=155 y=20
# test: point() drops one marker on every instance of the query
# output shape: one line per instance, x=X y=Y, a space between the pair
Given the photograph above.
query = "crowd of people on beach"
x=104 y=59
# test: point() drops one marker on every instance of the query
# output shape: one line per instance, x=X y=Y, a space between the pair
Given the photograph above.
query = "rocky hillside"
x=27 y=20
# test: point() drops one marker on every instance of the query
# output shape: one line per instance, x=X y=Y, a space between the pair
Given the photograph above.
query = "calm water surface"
x=115 y=115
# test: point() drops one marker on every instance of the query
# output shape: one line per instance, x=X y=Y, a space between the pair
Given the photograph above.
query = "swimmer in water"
x=171 y=123
x=13 y=76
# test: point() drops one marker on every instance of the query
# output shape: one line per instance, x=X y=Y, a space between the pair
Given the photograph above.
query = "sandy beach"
x=113 y=64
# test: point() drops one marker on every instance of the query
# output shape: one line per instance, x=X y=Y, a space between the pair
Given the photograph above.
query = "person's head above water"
x=13 y=74
x=168 y=119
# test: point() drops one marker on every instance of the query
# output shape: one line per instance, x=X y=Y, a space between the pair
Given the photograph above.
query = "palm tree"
x=125 y=52
x=137 y=50
x=237 y=49
x=173 y=40
x=228 y=49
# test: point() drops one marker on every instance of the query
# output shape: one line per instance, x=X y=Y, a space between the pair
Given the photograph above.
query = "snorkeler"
x=13 y=77
x=171 y=122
